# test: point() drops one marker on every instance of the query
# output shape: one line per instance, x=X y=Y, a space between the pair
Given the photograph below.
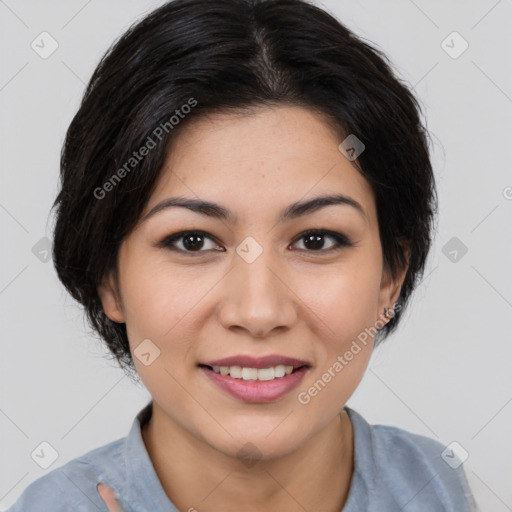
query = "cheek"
x=345 y=300
x=159 y=304
x=342 y=312
x=156 y=297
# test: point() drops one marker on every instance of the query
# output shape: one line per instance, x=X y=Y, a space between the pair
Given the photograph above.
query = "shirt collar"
x=364 y=477
x=144 y=489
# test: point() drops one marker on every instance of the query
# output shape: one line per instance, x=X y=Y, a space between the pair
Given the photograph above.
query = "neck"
x=316 y=476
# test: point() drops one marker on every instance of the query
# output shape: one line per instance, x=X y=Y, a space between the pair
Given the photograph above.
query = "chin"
x=262 y=443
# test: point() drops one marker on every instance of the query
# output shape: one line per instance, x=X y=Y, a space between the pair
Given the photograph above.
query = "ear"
x=390 y=287
x=110 y=298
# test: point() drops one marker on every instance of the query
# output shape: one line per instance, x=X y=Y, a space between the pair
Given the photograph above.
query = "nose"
x=256 y=298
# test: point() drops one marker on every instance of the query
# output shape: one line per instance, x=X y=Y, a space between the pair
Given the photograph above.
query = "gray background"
x=445 y=373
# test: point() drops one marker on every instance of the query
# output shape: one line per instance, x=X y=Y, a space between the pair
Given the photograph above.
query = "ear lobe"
x=110 y=299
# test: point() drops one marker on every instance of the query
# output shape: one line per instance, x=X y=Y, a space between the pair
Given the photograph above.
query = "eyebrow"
x=293 y=211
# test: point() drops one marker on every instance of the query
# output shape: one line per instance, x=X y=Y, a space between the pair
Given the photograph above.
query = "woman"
x=247 y=204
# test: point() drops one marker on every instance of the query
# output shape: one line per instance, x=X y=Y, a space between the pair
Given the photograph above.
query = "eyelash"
x=341 y=241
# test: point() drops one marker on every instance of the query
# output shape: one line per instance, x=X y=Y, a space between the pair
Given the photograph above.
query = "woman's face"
x=253 y=284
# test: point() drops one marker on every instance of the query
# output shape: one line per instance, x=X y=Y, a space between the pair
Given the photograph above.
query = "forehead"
x=257 y=162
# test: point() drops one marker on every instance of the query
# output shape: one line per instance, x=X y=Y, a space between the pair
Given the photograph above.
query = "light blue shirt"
x=394 y=470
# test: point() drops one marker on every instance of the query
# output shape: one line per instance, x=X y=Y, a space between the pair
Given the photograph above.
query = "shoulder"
x=417 y=470
x=405 y=446
x=72 y=487
x=410 y=453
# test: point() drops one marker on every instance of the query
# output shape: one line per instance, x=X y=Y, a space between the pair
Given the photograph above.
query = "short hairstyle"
x=189 y=58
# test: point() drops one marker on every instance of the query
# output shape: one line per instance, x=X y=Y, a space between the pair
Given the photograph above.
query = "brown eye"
x=193 y=241
x=188 y=242
x=314 y=241
x=196 y=242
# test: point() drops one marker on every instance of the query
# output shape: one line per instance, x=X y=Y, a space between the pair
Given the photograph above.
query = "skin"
x=292 y=300
x=108 y=495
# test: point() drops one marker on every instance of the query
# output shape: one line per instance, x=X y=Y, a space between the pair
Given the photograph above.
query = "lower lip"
x=256 y=390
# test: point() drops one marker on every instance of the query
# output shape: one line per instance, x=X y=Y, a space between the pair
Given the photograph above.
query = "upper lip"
x=247 y=361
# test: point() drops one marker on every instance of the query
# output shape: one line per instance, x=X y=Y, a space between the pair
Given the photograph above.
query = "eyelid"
x=167 y=242
x=341 y=241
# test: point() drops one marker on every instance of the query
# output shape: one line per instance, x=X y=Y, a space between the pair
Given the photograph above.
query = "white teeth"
x=237 y=372
x=249 y=374
x=266 y=374
x=280 y=371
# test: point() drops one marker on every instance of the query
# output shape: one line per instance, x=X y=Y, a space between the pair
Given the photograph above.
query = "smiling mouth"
x=260 y=374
